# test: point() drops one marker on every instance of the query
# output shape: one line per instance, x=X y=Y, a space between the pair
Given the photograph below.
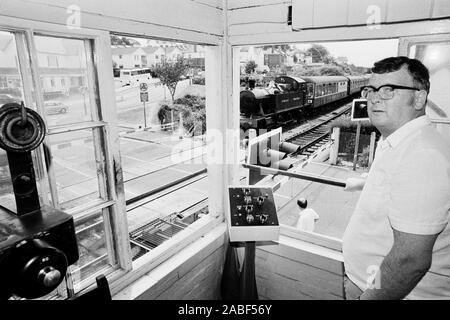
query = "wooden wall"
x=297 y=270
x=325 y=13
x=265 y=21
x=292 y=269
x=195 y=273
x=198 y=21
x=198 y=279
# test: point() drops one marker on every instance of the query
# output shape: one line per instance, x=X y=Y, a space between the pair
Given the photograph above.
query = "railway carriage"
x=327 y=89
x=355 y=83
x=292 y=97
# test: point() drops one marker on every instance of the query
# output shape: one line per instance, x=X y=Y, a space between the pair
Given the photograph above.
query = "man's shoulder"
x=428 y=141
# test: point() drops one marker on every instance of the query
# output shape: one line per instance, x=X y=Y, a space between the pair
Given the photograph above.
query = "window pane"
x=63 y=68
x=75 y=167
x=10 y=80
x=436 y=57
x=11 y=90
x=6 y=189
x=317 y=66
x=93 y=248
x=164 y=165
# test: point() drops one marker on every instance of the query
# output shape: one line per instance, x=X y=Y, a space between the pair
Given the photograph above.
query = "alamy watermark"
x=374 y=278
x=73 y=21
x=374 y=19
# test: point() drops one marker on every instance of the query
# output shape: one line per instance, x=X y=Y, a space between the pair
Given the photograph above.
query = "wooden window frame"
x=128 y=271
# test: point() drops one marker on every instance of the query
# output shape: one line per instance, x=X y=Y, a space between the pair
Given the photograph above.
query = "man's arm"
x=354 y=184
x=403 y=267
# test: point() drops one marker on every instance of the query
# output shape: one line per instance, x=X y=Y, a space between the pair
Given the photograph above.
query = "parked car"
x=55 y=107
x=7 y=98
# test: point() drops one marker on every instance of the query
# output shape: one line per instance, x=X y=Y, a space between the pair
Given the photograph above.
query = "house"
x=275 y=59
x=194 y=56
x=155 y=55
x=172 y=53
x=129 y=57
x=252 y=54
x=193 y=51
x=9 y=71
x=61 y=68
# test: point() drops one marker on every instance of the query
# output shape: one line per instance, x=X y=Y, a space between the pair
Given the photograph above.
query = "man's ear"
x=420 y=99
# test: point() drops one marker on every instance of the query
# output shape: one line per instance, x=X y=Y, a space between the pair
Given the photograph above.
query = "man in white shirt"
x=397 y=243
x=307 y=217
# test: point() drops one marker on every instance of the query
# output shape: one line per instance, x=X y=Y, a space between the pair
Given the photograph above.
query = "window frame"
x=114 y=221
x=404 y=40
x=404 y=45
x=127 y=271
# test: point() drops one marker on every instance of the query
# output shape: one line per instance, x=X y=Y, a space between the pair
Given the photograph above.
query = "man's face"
x=389 y=115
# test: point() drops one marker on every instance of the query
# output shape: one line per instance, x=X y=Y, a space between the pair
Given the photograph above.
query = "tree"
x=123 y=41
x=282 y=47
x=250 y=67
x=170 y=73
x=331 y=71
x=318 y=52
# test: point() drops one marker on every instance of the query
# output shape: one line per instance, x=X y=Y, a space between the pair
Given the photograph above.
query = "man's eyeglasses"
x=385 y=91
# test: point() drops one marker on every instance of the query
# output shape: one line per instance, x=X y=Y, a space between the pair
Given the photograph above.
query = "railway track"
x=315 y=133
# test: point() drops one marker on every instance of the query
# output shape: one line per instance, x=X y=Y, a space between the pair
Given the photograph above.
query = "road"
x=130 y=110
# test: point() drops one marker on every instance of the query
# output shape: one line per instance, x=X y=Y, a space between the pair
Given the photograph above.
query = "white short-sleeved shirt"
x=307 y=220
x=408 y=189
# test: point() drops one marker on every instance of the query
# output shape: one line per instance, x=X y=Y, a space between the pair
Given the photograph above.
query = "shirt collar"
x=404 y=131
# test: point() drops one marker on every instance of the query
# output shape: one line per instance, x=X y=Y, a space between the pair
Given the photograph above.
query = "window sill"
x=153 y=267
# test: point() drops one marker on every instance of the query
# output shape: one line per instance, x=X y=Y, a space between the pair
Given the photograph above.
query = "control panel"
x=252 y=214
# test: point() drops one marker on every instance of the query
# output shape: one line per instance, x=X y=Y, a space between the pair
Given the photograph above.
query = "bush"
x=194 y=113
x=198 y=80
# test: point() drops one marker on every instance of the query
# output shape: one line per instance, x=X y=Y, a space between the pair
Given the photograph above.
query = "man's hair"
x=418 y=71
x=302 y=203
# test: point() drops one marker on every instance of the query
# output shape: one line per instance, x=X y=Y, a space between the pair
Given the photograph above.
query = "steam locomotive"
x=289 y=98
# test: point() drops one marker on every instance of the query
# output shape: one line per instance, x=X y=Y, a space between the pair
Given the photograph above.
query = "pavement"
x=334 y=205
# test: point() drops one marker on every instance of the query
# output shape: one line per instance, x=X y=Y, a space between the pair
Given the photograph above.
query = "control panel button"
x=260 y=200
x=263 y=218
x=250 y=218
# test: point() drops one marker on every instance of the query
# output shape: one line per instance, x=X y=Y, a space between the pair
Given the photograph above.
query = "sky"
x=360 y=53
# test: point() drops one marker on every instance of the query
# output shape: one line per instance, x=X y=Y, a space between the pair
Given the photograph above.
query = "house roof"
x=150 y=49
x=171 y=49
